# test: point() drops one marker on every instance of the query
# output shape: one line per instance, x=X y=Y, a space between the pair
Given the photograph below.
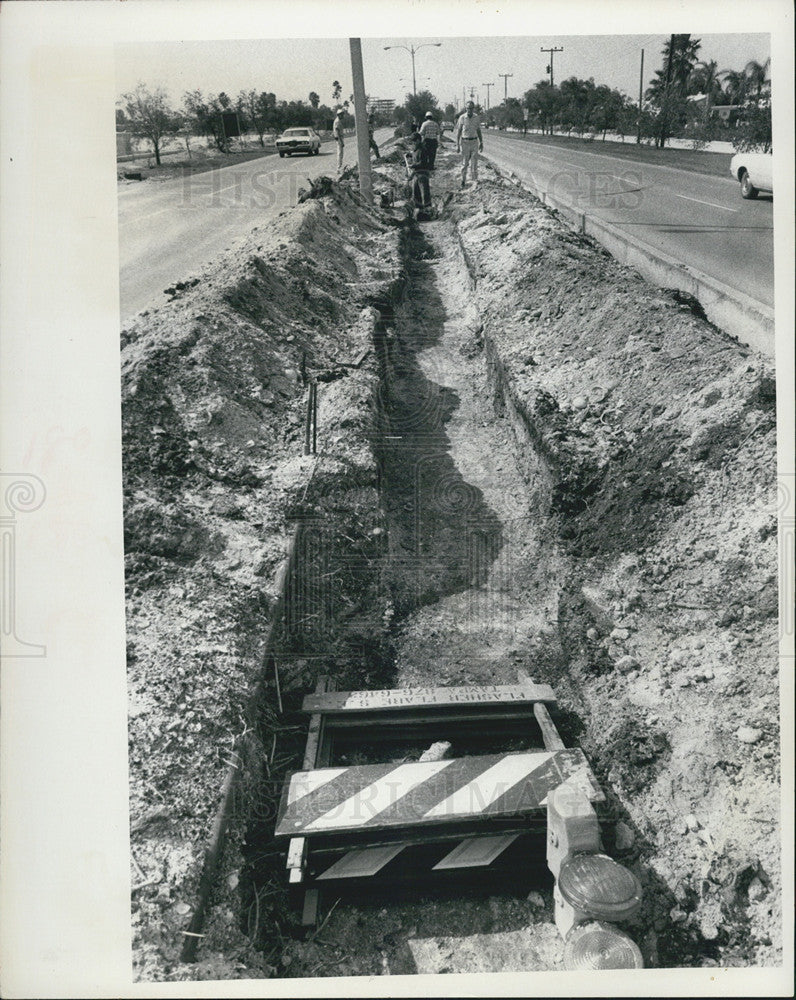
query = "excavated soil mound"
x=214 y=392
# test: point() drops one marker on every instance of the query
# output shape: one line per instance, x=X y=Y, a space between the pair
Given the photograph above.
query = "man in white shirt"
x=469 y=141
x=337 y=132
x=429 y=133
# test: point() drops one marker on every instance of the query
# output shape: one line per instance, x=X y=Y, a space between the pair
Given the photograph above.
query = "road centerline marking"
x=699 y=201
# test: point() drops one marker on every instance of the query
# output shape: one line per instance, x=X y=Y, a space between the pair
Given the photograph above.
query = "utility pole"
x=550 y=67
x=505 y=85
x=487 y=85
x=665 y=108
x=360 y=114
x=640 y=97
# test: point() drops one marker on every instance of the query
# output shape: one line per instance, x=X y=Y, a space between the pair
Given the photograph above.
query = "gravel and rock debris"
x=529 y=458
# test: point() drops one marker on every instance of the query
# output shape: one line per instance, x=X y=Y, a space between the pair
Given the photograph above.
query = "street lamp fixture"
x=411 y=49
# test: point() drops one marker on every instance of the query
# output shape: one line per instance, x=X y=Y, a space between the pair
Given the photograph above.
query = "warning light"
x=600 y=946
x=599 y=887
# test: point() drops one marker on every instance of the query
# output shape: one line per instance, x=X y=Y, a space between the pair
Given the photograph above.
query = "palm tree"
x=679 y=58
x=683 y=57
x=670 y=86
x=734 y=85
x=757 y=77
x=705 y=80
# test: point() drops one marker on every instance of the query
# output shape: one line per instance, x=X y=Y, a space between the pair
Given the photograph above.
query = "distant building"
x=381 y=106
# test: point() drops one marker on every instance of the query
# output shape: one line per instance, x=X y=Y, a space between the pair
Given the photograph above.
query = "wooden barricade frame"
x=330 y=855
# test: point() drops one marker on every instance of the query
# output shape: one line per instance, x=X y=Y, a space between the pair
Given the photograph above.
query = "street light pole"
x=411 y=49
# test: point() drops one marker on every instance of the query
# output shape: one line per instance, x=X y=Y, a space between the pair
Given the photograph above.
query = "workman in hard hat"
x=429 y=133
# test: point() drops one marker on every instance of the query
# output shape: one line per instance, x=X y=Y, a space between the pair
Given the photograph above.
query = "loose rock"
x=437 y=751
x=756 y=890
x=747 y=734
x=626 y=663
x=625 y=838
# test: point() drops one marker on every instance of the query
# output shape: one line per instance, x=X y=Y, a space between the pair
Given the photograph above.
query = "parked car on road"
x=754 y=171
x=298 y=140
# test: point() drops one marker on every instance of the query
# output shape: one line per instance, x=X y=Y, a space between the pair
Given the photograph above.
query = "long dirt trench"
x=473 y=575
x=468 y=545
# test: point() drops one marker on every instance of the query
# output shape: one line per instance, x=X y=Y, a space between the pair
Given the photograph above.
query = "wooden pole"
x=308 y=421
x=361 y=116
x=640 y=96
x=314 y=418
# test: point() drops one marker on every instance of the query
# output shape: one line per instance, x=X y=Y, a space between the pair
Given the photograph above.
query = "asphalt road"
x=169 y=230
x=699 y=220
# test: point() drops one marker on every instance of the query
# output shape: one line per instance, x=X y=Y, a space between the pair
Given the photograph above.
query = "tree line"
x=148 y=114
x=574 y=105
x=669 y=109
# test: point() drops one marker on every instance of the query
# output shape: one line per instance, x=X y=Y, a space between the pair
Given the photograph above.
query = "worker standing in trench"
x=417 y=174
x=371 y=140
x=429 y=133
x=468 y=134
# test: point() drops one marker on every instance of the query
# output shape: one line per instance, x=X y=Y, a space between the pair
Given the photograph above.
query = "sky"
x=293 y=68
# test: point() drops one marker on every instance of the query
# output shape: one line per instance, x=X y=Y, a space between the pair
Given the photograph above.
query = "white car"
x=298 y=140
x=754 y=171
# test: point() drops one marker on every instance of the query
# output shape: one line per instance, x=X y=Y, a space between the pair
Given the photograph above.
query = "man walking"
x=468 y=133
x=337 y=132
x=429 y=133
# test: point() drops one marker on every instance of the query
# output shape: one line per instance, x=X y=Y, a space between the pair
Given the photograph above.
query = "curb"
x=739 y=315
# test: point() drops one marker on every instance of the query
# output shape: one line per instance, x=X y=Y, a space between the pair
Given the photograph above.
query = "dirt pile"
x=214 y=391
x=657 y=432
